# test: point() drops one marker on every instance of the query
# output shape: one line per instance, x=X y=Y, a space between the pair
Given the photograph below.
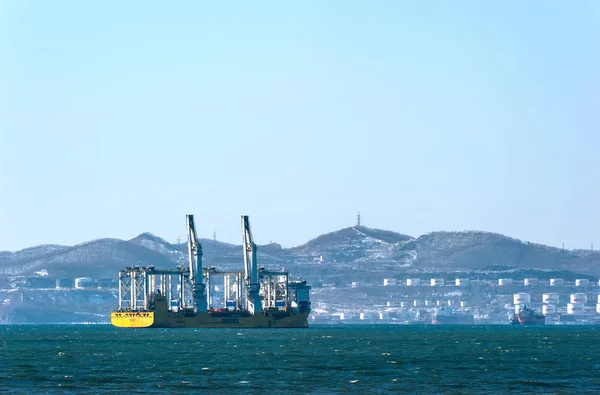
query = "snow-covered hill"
x=438 y=250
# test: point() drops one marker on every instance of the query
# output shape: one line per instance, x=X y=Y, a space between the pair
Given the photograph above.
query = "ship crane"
x=253 y=302
x=195 y=258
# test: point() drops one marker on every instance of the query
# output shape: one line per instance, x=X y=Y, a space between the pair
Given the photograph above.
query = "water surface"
x=321 y=359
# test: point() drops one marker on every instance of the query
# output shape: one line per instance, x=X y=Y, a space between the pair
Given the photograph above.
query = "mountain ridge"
x=438 y=250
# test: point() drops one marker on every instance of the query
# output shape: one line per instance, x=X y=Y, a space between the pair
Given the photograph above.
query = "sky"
x=118 y=118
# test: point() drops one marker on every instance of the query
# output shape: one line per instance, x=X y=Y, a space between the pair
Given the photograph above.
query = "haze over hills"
x=436 y=251
x=331 y=263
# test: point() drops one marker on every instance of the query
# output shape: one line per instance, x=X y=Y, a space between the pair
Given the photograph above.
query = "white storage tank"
x=451 y=303
x=598 y=298
x=522 y=298
x=461 y=282
x=417 y=303
x=550 y=298
x=582 y=282
x=505 y=281
x=530 y=282
x=342 y=316
x=429 y=303
x=83 y=282
x=548 y=309
x=437 y=282
x=361 y=316
x=384 y=316
x=463 y=303
x=518 y=307
x=412 y=282
x=354 y=284
x=575 y=308
x=388 y=282
x=598 y=308
x=557 y=282
x=578 y=298
x=404 y=304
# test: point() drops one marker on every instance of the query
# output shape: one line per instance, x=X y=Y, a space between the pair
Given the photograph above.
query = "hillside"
x=437 y=251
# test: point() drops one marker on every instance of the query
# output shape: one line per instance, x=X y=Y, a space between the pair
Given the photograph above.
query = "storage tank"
x=518 y=308
x=451 y=303
x=342 y=316
x=598 y=308
x=354 y=284
x=361 y=316
x=505 y=281
x=417 y=303
x=598 y=298
x=384 y=316
x=522 y=298
x=413 y=282
x=579 y=298
x=404 y=304
x=461 y=282
x=530 y=282
x=575 y=308
x=83 y=282
x=557 y=282
x=463 y=303
x=550 y=298
x=582 y=282
x=437 y=282
x=388 y=282
x=548 y=309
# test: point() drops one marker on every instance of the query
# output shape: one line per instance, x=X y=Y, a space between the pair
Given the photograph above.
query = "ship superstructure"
x=183 y=297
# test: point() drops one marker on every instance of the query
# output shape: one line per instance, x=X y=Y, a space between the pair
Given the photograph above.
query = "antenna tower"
x=358 y=219
x=215 y=238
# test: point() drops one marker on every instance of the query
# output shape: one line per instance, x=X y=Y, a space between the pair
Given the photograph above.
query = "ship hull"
x=161 y=317
x=203 y=320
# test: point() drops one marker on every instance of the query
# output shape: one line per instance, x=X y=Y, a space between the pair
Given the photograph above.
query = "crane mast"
x=195 y=258
x=253 y=301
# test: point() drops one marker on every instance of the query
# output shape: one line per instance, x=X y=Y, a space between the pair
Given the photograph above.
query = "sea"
x=99 y=359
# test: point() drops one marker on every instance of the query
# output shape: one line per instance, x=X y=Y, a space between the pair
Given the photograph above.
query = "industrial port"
x=357 y=275
x=416 y=300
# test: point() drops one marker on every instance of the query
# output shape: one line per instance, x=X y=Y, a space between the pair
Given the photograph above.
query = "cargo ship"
x=444 y=316
x=181 y=297
x=527 y=316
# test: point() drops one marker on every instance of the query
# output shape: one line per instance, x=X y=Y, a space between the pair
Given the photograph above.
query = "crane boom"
x=253 y=301
x=195 y=258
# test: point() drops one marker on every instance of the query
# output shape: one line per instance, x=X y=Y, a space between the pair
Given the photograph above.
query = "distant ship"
x=527 y=316
x=446 y=316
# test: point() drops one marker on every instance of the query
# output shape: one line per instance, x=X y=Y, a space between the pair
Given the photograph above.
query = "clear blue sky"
x=121 y=117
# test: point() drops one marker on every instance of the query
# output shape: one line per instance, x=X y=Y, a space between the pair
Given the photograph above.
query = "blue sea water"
x=321 y=359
